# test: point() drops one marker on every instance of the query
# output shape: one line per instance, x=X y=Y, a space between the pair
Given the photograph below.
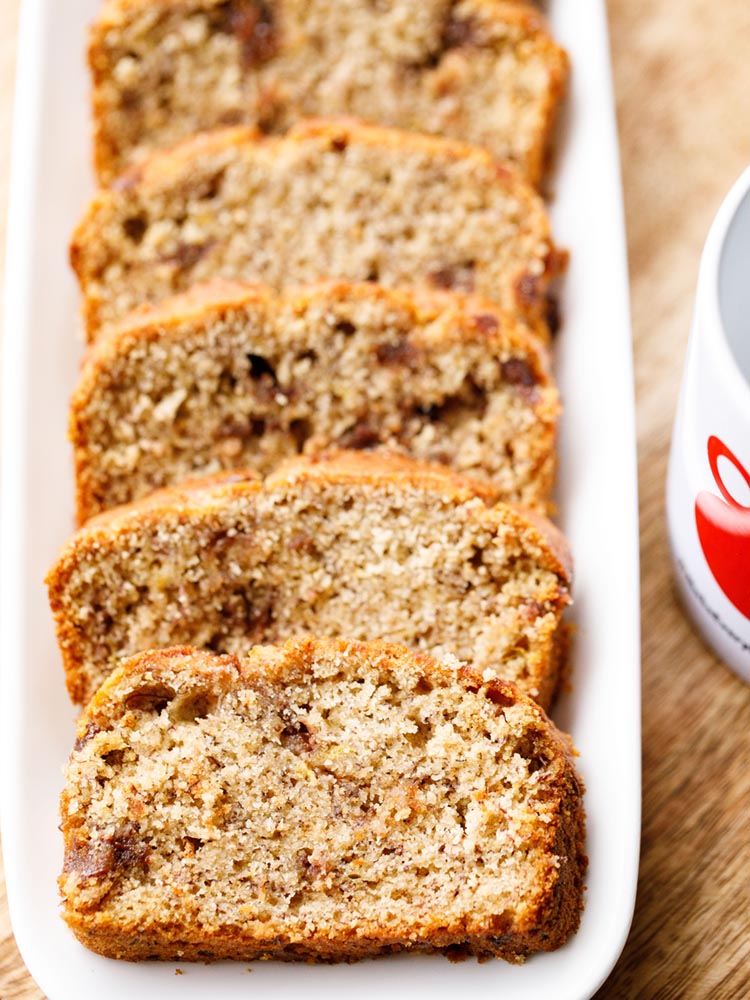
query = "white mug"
x=708 y=485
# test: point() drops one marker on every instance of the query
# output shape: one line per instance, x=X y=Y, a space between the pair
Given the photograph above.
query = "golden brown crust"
x=199 y=504
x=521 y=287
x=343 y=128
x=549 y=536
x=217 y=294
x=186 y=498
x=354 y=467
x=516 y=20
x=182 y=673
x=220 y=294
x=161 y=168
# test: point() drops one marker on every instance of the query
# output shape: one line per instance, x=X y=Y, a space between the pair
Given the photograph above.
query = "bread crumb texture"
x=331 y=200
x=228 y=376
x=355 y=544
x=483 y=71
x=323 y=800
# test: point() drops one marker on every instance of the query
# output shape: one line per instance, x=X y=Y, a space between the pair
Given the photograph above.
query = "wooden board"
x=682 y=76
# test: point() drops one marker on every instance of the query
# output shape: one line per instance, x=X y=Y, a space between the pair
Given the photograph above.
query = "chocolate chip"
x=443 y=277
x=455 y=277
x=187 y=255
x=91 y=730
x=553 y=314
x=458 y=31
x=531 y=610
x=130 y=99
x=518 y=372
x=486 y=322
x=135 y=228
x=251 y=22
x=233 y=116
x=529 y=290
x=301 y=542
x=399 y=353
x=362 y=435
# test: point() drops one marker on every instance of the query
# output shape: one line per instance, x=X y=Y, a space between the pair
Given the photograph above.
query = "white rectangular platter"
x=51 y=181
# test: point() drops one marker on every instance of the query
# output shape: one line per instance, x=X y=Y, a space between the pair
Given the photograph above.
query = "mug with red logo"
x=708 y=486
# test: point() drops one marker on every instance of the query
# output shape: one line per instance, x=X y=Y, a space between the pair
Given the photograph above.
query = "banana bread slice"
x=482 y=71
x=324 y=800
x=227 y=376
x=359 y=544
x=330 y=200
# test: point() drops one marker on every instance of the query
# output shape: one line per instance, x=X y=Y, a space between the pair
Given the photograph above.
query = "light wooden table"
x=682 y=76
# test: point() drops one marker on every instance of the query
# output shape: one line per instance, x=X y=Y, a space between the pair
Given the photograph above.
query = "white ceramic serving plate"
x=51 y=182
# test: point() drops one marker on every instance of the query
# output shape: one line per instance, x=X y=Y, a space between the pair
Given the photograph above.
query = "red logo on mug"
x=724 y=531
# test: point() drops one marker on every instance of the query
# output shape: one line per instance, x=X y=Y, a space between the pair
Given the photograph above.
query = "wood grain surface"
x=682 y=78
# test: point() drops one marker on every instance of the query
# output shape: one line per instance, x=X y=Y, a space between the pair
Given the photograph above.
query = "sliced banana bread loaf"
x=228 y=376
x=331 y=200
x=483 y=71
x=358 y=544
x=323 y=800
